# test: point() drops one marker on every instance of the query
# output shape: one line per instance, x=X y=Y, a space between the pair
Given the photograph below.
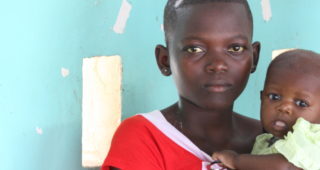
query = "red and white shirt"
x=149 y=142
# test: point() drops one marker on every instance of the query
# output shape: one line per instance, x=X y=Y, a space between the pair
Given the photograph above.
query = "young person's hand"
x=232 y=160
x=227 y=157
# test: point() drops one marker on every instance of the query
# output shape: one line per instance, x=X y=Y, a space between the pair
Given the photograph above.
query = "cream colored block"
x=101 y=106
x=275 y=53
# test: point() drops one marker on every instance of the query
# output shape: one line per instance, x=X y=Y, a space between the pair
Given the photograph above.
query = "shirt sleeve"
x=261 y=145
x=302 y=146
x=132 y=147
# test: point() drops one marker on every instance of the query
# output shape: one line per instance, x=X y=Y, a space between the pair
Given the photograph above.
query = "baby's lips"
x=280 y=125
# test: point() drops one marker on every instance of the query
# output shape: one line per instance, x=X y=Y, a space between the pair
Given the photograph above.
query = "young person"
x=210 y=55
x=290 y=101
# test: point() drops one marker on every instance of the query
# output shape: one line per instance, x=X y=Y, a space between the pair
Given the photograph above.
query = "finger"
x=215 y=155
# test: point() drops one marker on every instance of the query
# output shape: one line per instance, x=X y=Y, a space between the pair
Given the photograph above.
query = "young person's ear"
x=261 y=95
x=162 y=57
x=256 y=53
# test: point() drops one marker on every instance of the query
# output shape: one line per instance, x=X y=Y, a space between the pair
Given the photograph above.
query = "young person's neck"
x=204 y=120
x=209 y=129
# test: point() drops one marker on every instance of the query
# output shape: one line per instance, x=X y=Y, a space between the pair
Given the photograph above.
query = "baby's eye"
x=273 y=96
x=194 y=50
x=236 y=49
x=301 y=103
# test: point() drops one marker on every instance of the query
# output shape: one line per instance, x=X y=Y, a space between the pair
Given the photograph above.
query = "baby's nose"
x=285 y=107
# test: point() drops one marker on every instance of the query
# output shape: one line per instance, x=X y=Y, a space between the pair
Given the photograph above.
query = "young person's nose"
x=216 y=63
x=285 y=107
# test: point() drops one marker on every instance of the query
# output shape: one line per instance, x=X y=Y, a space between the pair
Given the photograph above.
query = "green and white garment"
x=301 y=147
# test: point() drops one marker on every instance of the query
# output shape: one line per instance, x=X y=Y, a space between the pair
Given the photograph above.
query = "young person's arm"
x=232 y=160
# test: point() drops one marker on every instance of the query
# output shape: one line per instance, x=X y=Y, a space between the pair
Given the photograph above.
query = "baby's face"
x=288 y=95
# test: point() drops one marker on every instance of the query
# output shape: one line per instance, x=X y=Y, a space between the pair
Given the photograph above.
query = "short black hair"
x=170 y=15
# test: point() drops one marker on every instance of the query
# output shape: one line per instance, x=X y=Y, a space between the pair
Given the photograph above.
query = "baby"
x=290 y=114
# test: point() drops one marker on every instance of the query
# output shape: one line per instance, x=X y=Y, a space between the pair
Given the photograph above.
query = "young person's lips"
x=218 y=87
x=280 y=125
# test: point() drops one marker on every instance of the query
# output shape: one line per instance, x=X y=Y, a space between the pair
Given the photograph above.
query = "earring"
x=166 y=71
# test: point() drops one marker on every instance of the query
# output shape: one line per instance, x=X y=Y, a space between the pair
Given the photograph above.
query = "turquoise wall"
x=40 y=111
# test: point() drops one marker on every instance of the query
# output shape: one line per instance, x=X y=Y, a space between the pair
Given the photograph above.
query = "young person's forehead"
x=218 y=13
x=221 y=21
x=174 y=7
x=186 y=9
x=176 y=4
x=191 y=3
x=213 y=6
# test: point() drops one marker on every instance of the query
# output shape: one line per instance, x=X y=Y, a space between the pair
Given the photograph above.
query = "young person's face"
x=211 y=54
x=288 y=95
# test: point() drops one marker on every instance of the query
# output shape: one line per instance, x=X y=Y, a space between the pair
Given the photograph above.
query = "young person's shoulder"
x=133 y=131
x=133 y=145
x=134 y=123
x=247 y=128
x=141 y=124
x=133 y=120
x=248 y=124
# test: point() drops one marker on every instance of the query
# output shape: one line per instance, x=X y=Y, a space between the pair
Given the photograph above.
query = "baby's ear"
x=162 y=57
x=256 y=53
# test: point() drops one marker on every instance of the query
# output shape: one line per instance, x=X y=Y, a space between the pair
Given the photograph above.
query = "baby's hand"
x=227 y=158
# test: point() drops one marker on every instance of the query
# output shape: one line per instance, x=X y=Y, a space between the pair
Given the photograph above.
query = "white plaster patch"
x=101 y=106
x=177 y=4
x=65 y=72
x=122 y=18
x=161 y=27
x=39 y=131
x=266 y=10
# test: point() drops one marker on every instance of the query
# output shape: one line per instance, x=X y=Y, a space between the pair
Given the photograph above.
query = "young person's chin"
x=279 y=134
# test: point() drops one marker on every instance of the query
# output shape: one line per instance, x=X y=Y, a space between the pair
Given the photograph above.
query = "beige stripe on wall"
x=101 y=106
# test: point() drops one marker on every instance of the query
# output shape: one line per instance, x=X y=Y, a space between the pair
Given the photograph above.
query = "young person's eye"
x=193 y=49
x=273 y=96
x=301 y=103
x=236 y=49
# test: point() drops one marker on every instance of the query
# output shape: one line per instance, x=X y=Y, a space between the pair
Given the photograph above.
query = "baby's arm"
x=232 y=160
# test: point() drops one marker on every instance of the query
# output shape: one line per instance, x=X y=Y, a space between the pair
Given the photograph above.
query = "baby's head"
x=291 y=90
x=209 y=50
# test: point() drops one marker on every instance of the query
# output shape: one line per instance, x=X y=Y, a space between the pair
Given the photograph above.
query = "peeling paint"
x=39 y=131
x=122 y=18
x=65 y=72
x=266 y=10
